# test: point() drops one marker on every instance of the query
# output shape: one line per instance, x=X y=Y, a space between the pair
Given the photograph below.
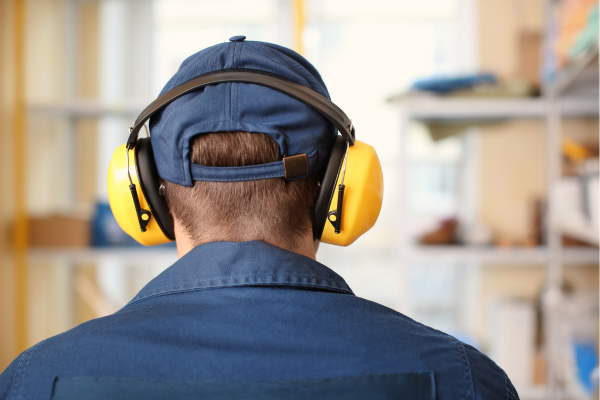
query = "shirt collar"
x=229 y=264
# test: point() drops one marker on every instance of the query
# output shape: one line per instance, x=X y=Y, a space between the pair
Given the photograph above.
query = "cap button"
x=237 y=38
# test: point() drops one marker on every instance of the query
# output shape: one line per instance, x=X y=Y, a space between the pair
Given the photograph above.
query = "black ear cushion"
x=150 y=183
x=328 y=182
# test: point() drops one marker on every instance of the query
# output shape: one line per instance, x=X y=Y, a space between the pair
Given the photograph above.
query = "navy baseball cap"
x=226 y=107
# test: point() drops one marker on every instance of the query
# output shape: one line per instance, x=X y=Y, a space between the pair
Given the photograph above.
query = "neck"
x=307 y=247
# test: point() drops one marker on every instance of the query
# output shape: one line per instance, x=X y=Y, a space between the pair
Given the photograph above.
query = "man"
x=247 y=312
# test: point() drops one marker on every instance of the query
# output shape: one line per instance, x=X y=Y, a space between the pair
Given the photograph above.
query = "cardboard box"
x=59 y=231
x=530 y=56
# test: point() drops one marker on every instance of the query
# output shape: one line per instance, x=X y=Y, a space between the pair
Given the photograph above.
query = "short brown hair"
x=274 y=210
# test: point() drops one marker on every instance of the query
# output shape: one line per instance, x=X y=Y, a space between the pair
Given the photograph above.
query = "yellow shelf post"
x=20 y=211
x=299 y=25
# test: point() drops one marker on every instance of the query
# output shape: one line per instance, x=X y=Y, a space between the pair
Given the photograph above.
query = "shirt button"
x=237 y=38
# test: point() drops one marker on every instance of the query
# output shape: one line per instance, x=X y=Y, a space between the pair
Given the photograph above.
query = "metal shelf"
x=166 y=256
x=498 y=255
x=582 y=72
x=87 y=108
x=456 y=110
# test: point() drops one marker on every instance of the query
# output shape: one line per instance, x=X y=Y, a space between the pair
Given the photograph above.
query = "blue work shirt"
x=253 y=311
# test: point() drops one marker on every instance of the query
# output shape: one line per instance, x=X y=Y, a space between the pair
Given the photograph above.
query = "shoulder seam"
x=470 y=393
x=511 y=392
x=14 y=390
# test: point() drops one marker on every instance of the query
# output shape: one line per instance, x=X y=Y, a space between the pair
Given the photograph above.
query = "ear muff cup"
x=363 y=194
x=328 y=182
x=145 y=178
x=150 y=183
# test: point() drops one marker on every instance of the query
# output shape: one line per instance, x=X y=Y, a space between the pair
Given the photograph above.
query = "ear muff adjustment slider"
x=335 y=217
x=143 y=215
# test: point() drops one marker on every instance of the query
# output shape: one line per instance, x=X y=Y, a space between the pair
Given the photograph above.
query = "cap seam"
x=237 y=91
x=231 y=86
x=318 y=78
x=233 y=55
x=186 y=149
x=189 y=66
x=299 y=72
x=282 y=62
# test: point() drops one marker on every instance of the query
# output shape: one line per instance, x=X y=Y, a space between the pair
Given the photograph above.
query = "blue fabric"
x=443 y=84
x=252 y=311
x=408 y=386
x=296 y=127
x=274 y=169
x=245 y=173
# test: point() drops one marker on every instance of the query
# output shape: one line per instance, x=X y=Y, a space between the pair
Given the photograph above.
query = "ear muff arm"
x=143 y=215
x=335 y=217
x=308 y=96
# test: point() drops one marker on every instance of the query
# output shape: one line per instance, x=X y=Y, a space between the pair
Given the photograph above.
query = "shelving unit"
x=585 y=66
x=581 y=73
x=139 y=255
x=497 y=255
x=457 y=109
x=562 y=99
x=481 y=110
x=87 y=108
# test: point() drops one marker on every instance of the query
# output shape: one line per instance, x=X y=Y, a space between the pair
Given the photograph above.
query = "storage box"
x=529 y=59
x=59 y=231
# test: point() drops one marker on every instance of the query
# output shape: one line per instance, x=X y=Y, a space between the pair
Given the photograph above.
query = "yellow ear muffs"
x=341 y=223
x=148 y=221
x=348 y=203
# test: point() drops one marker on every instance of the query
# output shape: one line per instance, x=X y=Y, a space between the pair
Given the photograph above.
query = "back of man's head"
x=237 y=125
x=273 y=210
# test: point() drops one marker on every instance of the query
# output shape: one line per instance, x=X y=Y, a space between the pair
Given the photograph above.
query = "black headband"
x=241 y=75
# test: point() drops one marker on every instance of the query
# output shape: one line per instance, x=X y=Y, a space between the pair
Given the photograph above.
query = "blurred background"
x=484 y=114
